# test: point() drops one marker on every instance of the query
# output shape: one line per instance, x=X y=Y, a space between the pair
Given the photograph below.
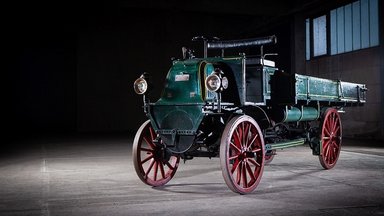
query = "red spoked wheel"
x=242 y=154
x=152 y=164
x=331 y=134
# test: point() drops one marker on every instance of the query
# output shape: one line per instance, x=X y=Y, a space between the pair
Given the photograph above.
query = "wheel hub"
x=246 y=154
x=161 y=154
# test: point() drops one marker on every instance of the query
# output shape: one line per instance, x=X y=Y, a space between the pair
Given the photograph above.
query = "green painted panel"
x=319 y=89
x=182 y=117
x=314 y=88
x=184 y=83
x=181 y=84
x=182 y=99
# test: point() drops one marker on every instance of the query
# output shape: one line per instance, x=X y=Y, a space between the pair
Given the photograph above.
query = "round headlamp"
x=213 y=82
x=140 y=86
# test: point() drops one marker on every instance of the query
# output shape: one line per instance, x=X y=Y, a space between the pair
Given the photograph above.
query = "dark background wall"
x=70 y=67
x=39 y=54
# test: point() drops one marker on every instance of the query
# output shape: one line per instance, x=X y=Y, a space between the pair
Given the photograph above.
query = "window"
x=354 y=26
x=319 y=36
x=351 y=27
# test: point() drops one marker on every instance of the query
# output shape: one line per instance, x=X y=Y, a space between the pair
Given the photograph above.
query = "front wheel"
x=242 y=154
x=153 y=165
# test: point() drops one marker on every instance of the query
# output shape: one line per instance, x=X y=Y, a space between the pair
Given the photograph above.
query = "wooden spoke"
x=147 y=159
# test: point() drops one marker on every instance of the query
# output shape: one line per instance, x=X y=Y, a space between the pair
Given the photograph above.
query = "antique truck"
x=241 y=109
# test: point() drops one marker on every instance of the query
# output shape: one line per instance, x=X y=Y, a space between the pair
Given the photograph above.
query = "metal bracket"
x=308 y=92
x=176 y=132
x=340 y=88
x=359 y=90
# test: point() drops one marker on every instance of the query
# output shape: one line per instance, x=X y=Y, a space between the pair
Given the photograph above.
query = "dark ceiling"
x=71 y=13
x=268 y=11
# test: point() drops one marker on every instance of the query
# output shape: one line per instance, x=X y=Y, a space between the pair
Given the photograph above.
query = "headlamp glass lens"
x=140 y=86
x=213 y=82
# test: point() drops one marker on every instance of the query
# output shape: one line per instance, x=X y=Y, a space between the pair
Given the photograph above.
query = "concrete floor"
x=86 y=176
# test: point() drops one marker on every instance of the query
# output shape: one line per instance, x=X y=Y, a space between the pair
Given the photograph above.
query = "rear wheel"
x=330 y=136
x=153 y=164
x=242 y=154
